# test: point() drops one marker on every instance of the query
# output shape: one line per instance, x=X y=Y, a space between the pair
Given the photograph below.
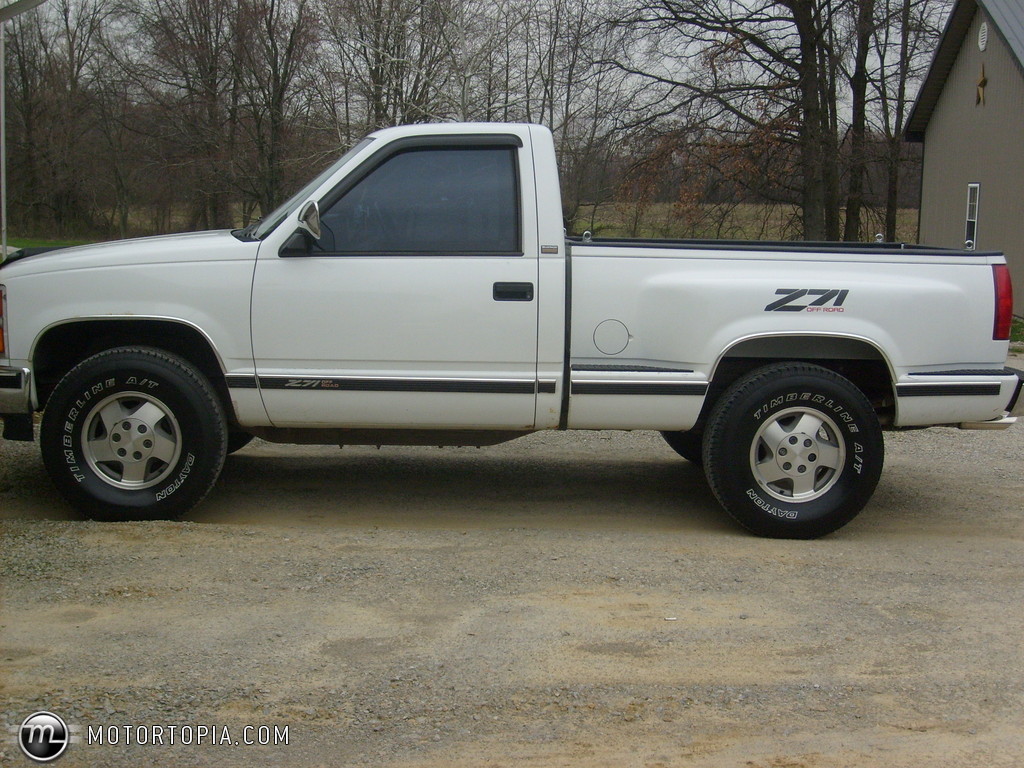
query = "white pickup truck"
x=422 y=291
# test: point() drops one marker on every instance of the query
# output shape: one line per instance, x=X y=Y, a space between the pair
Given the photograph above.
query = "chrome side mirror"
x=309 y=219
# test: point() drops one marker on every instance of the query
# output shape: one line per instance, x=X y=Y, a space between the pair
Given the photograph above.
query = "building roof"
x=1008 y=18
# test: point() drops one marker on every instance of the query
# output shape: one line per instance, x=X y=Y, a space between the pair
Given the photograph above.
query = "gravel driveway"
x=563 y=600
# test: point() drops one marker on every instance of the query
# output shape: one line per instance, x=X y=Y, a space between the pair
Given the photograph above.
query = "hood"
x=192 y=246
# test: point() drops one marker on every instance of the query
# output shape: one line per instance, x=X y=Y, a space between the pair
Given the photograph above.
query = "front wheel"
x=793 y=451
x=133 y=434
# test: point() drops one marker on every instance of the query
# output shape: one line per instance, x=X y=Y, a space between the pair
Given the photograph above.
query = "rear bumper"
x=954 y=397
x=15 y=391
x=1016 y=406
x=1004 y=423
x=1014 y=409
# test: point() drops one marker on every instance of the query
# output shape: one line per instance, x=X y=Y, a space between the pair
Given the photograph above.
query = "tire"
x=237 y=440
x=793 y=451
x=689 y=445
x=133 y=434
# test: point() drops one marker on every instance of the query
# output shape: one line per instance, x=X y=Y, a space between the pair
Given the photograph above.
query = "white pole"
x=3 y=140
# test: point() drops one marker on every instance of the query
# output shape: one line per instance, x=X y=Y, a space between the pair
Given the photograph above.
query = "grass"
x=723 y=221
x=29 y=242
x=1017 y=330
x=743 y=221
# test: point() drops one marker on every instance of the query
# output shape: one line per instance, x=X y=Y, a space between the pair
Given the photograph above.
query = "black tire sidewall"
x=686 y=444
x=237 y=440
x=753 y=402
x=182 y=391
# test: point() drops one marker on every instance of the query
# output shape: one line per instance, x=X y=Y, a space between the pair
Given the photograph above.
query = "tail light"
x=1004 y=302
x=3 y=328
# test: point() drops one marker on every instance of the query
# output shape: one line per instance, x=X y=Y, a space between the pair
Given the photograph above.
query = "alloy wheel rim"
x=131 y=440
x=797 y=455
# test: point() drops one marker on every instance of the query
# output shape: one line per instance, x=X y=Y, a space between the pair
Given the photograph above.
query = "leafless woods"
x=705 y=118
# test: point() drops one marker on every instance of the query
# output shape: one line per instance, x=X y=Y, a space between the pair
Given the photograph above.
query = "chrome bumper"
x=15 y=391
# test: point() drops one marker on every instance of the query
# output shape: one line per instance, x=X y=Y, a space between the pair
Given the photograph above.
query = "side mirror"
x=309 y=219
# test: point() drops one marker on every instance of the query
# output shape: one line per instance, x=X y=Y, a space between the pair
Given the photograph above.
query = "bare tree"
x=180 y=54
x=904 y=35
x=54 y=57
x=273 y=46
x=685 y=112
x=864 y=30
x=394 y=53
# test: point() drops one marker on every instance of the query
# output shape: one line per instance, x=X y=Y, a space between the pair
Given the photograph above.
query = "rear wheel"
x=133 y=434
x=793 y=451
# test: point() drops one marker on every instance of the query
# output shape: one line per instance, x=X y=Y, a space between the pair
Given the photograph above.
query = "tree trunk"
x=829 y=75
x=896 y=142
x=859 y=86
x=812 y=198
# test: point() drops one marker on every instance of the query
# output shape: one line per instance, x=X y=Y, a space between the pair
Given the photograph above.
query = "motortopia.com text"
x=186 y=735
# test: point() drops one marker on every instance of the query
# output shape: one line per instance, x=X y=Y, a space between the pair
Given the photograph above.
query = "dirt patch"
x=564 y=600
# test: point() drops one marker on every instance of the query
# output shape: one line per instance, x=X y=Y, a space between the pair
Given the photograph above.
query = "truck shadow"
x=422 y=487
x=450 y=488
x=629 y=482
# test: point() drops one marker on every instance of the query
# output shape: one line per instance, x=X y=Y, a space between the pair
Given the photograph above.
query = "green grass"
x=29 y=242
x=1017 y=330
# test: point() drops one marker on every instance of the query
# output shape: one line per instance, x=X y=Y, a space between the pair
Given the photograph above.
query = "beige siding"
x=983 y=144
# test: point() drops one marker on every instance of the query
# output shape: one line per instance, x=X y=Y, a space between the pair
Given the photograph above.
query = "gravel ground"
x=563 y=600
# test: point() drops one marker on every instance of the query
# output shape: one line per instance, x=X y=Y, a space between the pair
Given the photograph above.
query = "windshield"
x=279 y=214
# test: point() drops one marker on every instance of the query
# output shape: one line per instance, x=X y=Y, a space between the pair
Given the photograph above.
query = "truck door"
x=417 y=307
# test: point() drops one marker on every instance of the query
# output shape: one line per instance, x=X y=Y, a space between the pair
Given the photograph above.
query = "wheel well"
x=63 y=347
x=856 y=360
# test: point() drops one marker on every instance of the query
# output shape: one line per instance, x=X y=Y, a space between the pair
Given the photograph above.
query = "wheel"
x=133 y=434
x=686 y=444
x=793 y=451
x=237 y=440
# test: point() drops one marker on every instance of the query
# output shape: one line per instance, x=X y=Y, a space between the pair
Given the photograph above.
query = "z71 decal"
x=825 y=300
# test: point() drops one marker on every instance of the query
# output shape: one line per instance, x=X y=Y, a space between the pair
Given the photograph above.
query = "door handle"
x=513 y=292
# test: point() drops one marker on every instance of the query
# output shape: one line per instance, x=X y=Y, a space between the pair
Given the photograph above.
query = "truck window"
x=438 y=200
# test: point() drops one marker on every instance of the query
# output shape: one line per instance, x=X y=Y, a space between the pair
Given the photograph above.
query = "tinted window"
x=438 y=200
